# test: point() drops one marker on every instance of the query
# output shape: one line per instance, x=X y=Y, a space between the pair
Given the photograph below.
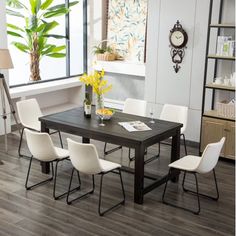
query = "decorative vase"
x=99 y=102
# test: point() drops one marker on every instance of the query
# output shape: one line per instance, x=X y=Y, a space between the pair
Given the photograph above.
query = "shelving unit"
x=213 y=125
x=219 y=87
x=121 y=67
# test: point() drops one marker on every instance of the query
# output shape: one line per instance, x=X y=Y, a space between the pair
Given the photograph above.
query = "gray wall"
x=162 y=84
x=125 y=86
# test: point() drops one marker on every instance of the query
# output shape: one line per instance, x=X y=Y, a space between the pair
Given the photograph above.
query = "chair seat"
x=188 y=163
x=108 y=165
x=61 y=153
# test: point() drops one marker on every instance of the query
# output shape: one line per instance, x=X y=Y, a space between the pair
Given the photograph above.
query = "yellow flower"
x=95 y=80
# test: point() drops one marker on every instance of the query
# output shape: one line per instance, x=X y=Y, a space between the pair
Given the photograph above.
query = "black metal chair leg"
x=40 y=183
x=28 y=172
x=173 y=205
x=20 y=144
x=198 y=200
x=130 y=158
x=185 y=147
x=55 y=182
x=183 y=182
x=217 y=190
x=163 y=195
x=122 y=185
x=69 y=202
x=59 y=133
x=101 y=213
x=200 y=194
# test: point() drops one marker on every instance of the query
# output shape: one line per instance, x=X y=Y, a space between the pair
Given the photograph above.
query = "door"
x=230 y=140
x=212 y=131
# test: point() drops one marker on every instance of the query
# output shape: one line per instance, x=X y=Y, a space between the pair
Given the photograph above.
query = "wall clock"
x=178 y=39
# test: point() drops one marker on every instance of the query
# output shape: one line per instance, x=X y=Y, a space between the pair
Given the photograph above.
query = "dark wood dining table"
x=74 y=122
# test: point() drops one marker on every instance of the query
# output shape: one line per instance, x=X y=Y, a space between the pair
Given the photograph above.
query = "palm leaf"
x=56 y=13
x=22 y=47
x=14 y=27
x=56 y=55
x=15 y=4
x=48 y=49
x=54 y=36
x=46 y=4
x=12 y=33
x=62 y=6
x=35 y=6
x=59 y=48
x=49 y=26
x=14 y=13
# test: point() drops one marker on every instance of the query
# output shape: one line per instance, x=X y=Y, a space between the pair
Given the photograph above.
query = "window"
x=73 y=26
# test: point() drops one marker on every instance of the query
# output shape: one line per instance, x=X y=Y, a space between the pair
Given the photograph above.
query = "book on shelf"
x=225 y=46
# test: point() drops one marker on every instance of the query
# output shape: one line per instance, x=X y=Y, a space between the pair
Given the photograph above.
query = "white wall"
x=162 y=84
x=3 y=44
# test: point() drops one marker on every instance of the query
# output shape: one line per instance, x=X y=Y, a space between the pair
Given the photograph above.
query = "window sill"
x=39 y=88
x=121 y=67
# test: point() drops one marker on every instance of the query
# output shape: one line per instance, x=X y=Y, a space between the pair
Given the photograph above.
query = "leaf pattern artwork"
x=126 y=28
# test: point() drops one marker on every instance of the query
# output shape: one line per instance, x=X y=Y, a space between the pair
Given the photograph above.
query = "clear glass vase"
x=99 y=102
x=99 y=106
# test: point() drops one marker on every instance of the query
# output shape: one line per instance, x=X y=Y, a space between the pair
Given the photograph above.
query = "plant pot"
x=106 y=56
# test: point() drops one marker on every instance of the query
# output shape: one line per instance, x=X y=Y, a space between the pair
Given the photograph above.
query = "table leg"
x=45 y=166
x=85 y=140
x=139 y=174
x=175 y=152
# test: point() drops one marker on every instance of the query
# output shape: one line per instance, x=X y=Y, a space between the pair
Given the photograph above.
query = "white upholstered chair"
x=84 y=158
x=175 y=113
x=134 y=107
x=29 y=112
x=197 y=165
x=42 y=149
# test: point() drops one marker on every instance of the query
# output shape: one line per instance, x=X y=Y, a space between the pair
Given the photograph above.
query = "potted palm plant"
x=39 y=21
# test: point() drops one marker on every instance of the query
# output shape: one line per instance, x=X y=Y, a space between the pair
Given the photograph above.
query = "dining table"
x=74 y=122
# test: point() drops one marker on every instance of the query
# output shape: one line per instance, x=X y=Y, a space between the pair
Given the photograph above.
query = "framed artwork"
x=126 y=28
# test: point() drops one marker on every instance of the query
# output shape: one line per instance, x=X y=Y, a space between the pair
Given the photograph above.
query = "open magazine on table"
x=132 y=126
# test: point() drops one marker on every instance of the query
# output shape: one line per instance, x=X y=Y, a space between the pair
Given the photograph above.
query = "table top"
x=73 y=121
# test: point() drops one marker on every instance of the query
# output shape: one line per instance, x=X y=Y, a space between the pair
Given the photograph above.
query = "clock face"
x=177 y=38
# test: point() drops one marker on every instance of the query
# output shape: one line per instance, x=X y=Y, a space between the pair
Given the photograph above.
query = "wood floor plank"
x=35 y=212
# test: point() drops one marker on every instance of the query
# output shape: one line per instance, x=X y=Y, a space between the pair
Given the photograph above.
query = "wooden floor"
x=36 y=213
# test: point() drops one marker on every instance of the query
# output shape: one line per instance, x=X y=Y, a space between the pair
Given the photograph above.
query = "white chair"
x=42 y=149
x=175 y=113
x=84 y=158
x=29 y=112
x=197 y=165
x=134 y=107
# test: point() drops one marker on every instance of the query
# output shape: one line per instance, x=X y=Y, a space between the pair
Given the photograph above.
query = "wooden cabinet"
x=230 y=140
x=214 y=129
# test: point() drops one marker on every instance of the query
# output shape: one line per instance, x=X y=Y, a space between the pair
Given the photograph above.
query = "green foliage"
x=39 y=23
x=102 y=49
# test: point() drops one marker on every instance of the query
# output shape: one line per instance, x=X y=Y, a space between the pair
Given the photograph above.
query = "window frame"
x=67 y=33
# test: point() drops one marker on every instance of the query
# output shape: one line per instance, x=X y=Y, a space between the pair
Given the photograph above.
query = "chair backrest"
x=84 y=157
x=29 y=112
x=40 y=145
x=175 y=113
x=210 y=156
x=135 y=107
